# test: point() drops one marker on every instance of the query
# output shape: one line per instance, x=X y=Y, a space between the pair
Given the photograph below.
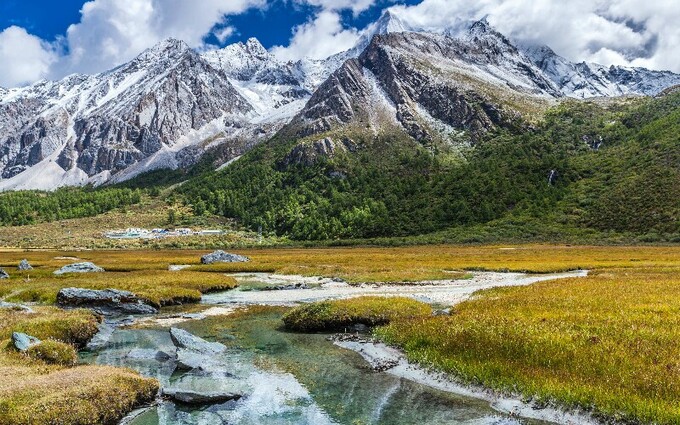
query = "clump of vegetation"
x=82 y=395
x=336 y=315
x=158 y=287
x=41 y=386
x=608 y=343
x=54 y=352
x=74 y=327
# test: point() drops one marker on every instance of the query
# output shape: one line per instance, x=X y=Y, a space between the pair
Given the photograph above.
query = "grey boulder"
x=148 y=354
x=194 y=397
x=23 y=342
x=220 y=256
x=3 y=274
x=16 y=307
x=85 y=267
x=185 y=340
x=105 y=301
x=24 y=265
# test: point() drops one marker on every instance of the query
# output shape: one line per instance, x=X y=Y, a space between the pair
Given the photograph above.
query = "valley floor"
x=606 y=343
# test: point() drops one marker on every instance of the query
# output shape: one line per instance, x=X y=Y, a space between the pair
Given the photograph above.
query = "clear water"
x=288 y=378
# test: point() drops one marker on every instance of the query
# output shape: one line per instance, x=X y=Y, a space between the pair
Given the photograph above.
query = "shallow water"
x=288 y=378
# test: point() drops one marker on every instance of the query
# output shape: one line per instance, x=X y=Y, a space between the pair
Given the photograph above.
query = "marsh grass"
x=38 y=388
x=75 y=396
x=609 y=343
x=339 y=314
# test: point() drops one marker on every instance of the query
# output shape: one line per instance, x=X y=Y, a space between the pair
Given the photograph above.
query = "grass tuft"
x=336 y=315
x=54 y=352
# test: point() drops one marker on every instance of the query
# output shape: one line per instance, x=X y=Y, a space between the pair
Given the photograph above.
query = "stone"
x=444 y=312
x=194 y=397
x=220 y=256
x=148 y=354
x=178 y=267
x=85 y=267
x=16 y=307
x=105 y=301
x=23 y=342
x=24 y=265
x=292 y=286
x=183 y=339
x=3 y=274
x=360 y=328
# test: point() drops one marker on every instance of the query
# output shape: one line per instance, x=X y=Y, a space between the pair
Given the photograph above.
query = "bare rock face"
x=309 y=153
x=83 y=126
x=428 y=84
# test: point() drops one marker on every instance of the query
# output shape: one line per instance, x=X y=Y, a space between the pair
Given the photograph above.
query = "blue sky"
x=49 y=19
x=50 y=39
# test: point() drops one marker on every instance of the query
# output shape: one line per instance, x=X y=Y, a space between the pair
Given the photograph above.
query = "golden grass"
x=159 y=287
x=338 y=314
x=54 y=352
x=609 y=342
x=368 y=264
x=75 y=396
x=36 y=388
x=73 y=327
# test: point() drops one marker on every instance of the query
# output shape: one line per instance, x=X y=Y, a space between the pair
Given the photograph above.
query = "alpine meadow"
x=405 y=212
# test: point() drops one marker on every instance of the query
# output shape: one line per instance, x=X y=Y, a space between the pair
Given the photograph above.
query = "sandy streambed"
x=446 y=292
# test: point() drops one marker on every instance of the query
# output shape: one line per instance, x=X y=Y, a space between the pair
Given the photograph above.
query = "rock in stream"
x=106 y=301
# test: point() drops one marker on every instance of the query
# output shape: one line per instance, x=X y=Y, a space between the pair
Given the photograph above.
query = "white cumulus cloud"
x=24 y=58
x=322 y=36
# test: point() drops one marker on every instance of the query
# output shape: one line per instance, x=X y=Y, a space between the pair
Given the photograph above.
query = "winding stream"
x=289 y=378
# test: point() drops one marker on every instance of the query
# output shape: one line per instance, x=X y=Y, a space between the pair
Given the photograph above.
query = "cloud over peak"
x=110 y=32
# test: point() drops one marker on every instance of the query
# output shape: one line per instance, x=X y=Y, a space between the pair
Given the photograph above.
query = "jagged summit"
x=584 y=80
x=170 y=47
x=389 y=22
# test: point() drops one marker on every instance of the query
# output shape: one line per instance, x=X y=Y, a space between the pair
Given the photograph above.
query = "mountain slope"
x=86 y=128
x=171 y=105
x=584 y=80
x=431 y=86
x=603 y=169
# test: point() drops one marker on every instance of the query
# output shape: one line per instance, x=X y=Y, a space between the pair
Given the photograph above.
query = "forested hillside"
x=603 y=167
x=615 y=166
x=29 y=207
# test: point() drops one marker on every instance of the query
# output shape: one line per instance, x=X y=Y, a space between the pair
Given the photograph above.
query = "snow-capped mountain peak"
x=168 y=105
x=584 y=80
x=390 y=22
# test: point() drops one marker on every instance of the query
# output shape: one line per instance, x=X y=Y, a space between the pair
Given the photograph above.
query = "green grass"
x=338 y=315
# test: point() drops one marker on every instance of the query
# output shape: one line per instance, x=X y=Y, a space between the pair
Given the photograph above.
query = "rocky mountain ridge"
x=169 y=105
